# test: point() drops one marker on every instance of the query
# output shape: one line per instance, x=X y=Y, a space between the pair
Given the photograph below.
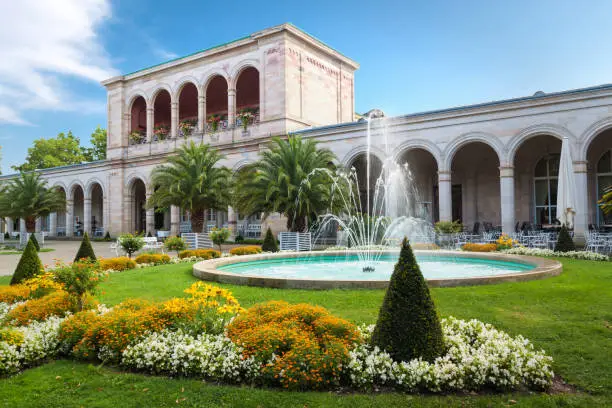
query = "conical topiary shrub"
x=29 y=265
x=408 y=326
x=269 y=243
x=85 y=250
x=564 y=241
x=35 y=242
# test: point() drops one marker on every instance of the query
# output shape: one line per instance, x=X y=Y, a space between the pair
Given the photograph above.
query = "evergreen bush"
x=239 y=239
x=7 y=235
x=85 y=250
x=29 y=265
x=35 y=242
x=269 y=243
x=564 y=241
x=408 y=326
x=107 y=237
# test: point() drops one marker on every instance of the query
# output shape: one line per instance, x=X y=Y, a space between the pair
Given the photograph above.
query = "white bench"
x=151 y=243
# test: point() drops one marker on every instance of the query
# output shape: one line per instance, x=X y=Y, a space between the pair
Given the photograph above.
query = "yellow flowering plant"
x=505 y=242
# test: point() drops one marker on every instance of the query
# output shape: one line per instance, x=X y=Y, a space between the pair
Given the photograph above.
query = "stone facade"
x=487 y=163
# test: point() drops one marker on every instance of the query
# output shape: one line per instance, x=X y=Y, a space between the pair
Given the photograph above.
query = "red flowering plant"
x=161 y=132
x=246 y=117
x=187 y=126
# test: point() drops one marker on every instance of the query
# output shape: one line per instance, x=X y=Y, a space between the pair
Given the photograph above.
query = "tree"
x=79 y=279
x=177 y=244
x=97 y=151
x=408 y=326
x=28 y=197
x=565 y=243
x=269 y=243
x=85 y=251
x=286 y=180
x=192 y=180
x=29 y=265
x=131 y=243
x=62 y=150
x=219 y=235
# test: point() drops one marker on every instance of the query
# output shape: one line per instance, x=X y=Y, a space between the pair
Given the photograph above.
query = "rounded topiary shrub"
x=269 y=243
x=408 y=326
x=35 y=242
x=564 y=241
x=29 y=265
x=85 y=250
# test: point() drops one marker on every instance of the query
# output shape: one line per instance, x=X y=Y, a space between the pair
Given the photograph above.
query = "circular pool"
x=325 y=270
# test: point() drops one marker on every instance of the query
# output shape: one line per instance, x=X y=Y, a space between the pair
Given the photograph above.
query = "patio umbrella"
x=566 y=189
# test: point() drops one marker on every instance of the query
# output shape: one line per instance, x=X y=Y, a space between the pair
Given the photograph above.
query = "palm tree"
x=28 y=197
x=285 y=180
x=192 y=181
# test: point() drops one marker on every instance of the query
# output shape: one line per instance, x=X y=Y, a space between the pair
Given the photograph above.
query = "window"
x=211 y=215
x=604 y=180
x=545 y=189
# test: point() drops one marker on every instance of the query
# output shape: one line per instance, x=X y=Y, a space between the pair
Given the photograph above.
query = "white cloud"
x=43 y=42
x=163 y=53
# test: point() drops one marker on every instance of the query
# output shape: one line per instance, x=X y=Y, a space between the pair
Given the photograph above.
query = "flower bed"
x=246 y=250
x=584 y=255
x=475 y=247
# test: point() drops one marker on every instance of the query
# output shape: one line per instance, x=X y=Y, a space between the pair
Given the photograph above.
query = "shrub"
x=408 y=326
x=246 y=250
x=74 y=327
x=11 y=336
x=239 y=239
x=107 y=237
x=85 y=251
x=55 y=304
x=35 y=242
x=121 y=263
x=7 y=235
x=269 y=243
x=219 y=235
x=29 y=265
x=131 y=243
x=175 y=244
x=505 y=242
x=309 y=344
x=475 y=247
x=43 y=284
x=14 y=293
x=79 y=280
x=155 y=259
x=564 y=241
x=200 y=253
x=448 y=227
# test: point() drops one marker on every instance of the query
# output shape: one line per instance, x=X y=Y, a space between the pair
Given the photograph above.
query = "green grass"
x=10 y=252
x=570 y=316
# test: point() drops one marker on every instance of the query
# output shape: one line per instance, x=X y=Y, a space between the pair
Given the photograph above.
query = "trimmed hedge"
x=408 y=326
x=121 y=263
x=29 y=265
x=564 y=241
x=200 y=253
x=85 y=251
x=35 y=242
x=476 y=247
x=245 y=250
x=269 y=243
x=156 y=259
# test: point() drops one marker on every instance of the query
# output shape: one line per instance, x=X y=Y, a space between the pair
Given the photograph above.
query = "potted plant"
x=161 y=132
x=136 y=137
x=245 y=116
x=186 y=127
x=213 y=121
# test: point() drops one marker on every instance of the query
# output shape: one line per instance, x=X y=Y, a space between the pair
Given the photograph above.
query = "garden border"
x=207 y=270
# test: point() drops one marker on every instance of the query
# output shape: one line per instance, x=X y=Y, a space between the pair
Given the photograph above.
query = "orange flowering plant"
x=475 y=247
x=505 y=242
x=79 y=280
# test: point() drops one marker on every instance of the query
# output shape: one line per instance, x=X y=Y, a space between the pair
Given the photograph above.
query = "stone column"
x=174 y=220
x=127 y=125
x=231 y=108
x=174 y=119
x=150 y=217
x=506 y=188
x=201 y=113
x=150 y=124
x=53 y=224
x=232 y=220
x=445 y=195
x=38 y=225
x=9 y=225
x=69 y=218
x=581 y=219
x=87 y=215
x=22 y=227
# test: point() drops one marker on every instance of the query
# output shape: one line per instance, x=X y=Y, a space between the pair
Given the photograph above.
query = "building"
x=493 y=163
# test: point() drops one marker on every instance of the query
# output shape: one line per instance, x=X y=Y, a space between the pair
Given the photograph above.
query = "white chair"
x=116 y=246
x=151 y=243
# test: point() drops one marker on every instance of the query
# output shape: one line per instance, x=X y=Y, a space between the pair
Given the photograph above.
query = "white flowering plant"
x=584 y=255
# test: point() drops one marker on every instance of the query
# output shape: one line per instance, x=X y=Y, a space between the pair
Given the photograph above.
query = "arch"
x=241 y=66
x=60 y=185
x=590 y=134
x=419 y=144
x=162 y=86
x=456 y=144
x=359 y=150
x=187 y=97
x=240 y=164
x=536 y=130
x=247 y=86
x=131 y=98
x=179 y=84
x=91 y=184
x=216 y=92
x=72 y=189
x=210 y=74
x=133 y=178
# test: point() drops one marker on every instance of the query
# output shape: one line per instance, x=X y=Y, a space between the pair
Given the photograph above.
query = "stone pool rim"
x=207 y=271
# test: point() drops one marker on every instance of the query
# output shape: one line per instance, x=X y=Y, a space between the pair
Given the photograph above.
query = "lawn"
x=570 y=316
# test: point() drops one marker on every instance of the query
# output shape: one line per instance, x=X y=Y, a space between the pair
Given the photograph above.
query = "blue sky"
x=414 y=56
